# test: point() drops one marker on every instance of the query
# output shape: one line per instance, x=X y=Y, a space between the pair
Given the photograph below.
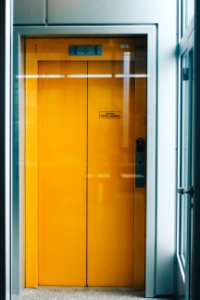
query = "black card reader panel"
x=140 y=163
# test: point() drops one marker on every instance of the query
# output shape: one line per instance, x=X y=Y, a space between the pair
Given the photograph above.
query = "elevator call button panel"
x=140 y=163
x=84 y=50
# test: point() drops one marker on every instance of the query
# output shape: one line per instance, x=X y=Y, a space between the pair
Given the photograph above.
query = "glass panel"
x=185 y=179
x=183 y=16
x=187 y=13
x=190 y=259
x=190 y=10
x=82 y=174
x=184 y=159
x=185 y=173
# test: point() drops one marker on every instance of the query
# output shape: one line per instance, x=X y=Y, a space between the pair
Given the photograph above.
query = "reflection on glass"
x=190 y=10
x=184 y=160
x=187 y=13
x=54 y=76
x=126 y=97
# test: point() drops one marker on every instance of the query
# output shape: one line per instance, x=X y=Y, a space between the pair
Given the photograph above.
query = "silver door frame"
x=152 y=83
x=186 y=45
x=7 y=140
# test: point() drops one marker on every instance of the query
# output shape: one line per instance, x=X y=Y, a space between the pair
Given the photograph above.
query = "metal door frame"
x=150 y=31
x=5 y=87
x=186 y=46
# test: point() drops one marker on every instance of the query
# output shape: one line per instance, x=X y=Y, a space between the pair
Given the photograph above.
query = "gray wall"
x=164 y=14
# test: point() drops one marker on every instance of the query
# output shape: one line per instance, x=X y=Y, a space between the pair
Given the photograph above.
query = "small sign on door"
x=109 y=114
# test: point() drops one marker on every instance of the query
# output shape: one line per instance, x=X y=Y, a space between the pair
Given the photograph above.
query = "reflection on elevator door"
x=110 y=196
x=89 y=114
x=62 y=167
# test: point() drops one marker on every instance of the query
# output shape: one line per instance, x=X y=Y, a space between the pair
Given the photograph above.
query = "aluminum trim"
x=132 y=30
x=8 y=84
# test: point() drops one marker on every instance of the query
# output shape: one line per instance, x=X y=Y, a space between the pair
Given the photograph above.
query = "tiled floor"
x=54 y=293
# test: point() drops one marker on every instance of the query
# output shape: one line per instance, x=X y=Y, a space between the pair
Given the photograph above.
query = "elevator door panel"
x=62 y=173
x=85 y=214
x=110 y=175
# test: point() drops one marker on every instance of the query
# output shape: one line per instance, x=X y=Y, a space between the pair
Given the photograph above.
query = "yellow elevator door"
x=110 y=181
x=85 y=174
x=62 y=173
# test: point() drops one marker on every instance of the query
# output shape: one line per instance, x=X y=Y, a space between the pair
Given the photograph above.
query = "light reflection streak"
x=35 y=76
x=57 y=76
x=126 y=94
x=132 y=76
x=131 y=176
x=89 y=76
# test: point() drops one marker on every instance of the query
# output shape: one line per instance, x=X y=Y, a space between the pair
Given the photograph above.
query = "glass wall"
x=187 y=14
x=185 y=152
